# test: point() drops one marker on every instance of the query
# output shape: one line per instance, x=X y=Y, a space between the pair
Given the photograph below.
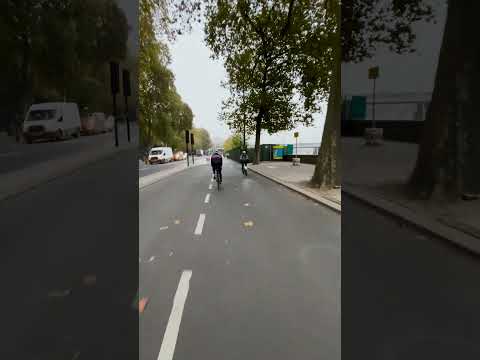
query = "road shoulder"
x=310 y=194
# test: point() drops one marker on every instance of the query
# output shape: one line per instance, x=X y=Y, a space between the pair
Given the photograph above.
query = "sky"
x=401 y=73
x=198 y=80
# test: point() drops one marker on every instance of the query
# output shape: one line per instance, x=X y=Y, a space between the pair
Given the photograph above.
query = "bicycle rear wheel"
x=218 y=180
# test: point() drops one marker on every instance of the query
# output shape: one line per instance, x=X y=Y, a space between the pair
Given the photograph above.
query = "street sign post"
x=295 y=160
x=193 y=151
x=187 y=140
x=373 y=135
x=126 y=94
x=373 y=74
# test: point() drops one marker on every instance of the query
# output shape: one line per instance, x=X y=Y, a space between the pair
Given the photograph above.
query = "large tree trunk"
x=327 y=170
x=258 y=131
x=449 y=133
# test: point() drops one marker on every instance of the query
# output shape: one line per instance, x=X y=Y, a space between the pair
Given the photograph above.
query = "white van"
x=51 y=121
x=160 y=155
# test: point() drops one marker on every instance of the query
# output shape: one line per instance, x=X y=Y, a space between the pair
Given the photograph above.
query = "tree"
x=234 y=141
x=441 y=162
x=266 y=47
x=163 y=115
x=86 y=33
x=202 y=139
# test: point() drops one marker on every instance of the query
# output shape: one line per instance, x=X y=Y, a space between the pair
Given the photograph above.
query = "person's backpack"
x=216 y=160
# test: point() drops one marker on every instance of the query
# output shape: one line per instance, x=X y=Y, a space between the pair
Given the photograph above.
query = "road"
x=145 y=170
x=19 y=156
x=253 y=271
x=69 y=266
x=405 y=294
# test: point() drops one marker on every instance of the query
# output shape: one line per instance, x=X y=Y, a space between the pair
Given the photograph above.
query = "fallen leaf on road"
x=177 y=222
x=171 y=253
x=151 y=258
x=163 y=228
x=246 y=204
x=142 y=304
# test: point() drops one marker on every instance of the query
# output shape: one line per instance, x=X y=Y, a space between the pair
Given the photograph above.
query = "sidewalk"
x=377 y=176
x=297 y=178
x=16 y=182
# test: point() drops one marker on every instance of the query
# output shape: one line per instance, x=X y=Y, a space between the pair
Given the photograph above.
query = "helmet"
x=244 y=152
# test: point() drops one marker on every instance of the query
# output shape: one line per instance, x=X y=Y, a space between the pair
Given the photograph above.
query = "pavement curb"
x=327 y=203
x=429 y=224
x=49 y=176
x=157 y=177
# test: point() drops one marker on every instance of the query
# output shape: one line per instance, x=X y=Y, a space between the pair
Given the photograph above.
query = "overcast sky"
x=402 y=73
x=198 y=79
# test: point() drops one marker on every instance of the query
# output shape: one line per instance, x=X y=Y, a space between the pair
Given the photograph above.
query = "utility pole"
x=192 y=141
x=114 y=82
x=244 y=131
x=187 y=140
x=126 y=93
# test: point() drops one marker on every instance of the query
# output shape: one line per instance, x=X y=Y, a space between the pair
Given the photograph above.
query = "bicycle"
x=218 y=178
x=244 y=169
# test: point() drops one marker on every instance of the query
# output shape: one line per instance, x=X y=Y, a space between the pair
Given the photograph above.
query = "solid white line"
x=201 y=221
x=207 y=198
x=171 y=332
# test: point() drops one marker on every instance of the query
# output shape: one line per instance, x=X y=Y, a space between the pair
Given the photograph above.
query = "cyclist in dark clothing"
x=217 y=161
x=243 y=159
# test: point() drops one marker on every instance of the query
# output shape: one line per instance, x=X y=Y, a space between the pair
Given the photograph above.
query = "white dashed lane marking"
x=200 y=223
x=169 y=342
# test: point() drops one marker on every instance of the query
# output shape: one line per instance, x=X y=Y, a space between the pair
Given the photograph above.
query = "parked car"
x=160 y=155
x=51 y=121
x=179 y=155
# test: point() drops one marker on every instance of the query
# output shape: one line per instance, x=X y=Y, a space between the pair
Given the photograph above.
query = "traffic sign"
x=295 y=134
x=373 y=72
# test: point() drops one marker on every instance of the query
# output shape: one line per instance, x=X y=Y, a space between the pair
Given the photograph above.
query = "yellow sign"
x=373 y=72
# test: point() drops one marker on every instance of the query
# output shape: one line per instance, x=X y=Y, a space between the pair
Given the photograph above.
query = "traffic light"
x=191 y=139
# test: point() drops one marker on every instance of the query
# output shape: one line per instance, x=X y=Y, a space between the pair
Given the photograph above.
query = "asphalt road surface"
x=69 y=266
x=145 y=169
x=250 y=272
x=405 y=294
x=19 y=156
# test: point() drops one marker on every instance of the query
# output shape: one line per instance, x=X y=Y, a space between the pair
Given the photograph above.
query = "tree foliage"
x=368 y=24
x=55 y=49
x=234 y=141
x=275 y=78
x=163 y=115
x=202 y=139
